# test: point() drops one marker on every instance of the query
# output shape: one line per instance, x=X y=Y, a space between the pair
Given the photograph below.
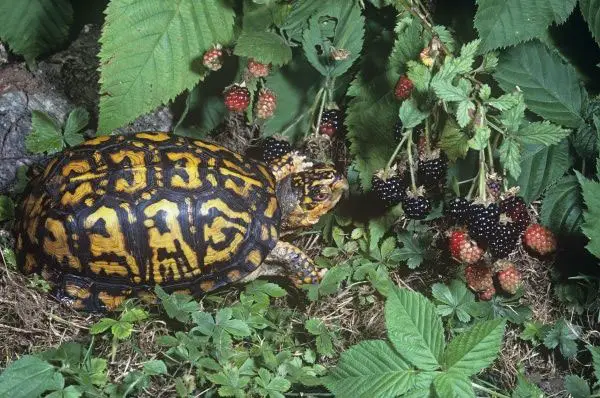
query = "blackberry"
x=237 y=98
x=515 y=208
x=504 y=240
x=398 y=131
x=273 y=149
x=459 y=209
x=416 y=207
x=433 y=171
x=390 y=191
x=331 y=122
x=482 y=222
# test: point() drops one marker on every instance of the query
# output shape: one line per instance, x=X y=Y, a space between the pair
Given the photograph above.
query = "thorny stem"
x=410 y=161
x=485 y=389
x=391 y=160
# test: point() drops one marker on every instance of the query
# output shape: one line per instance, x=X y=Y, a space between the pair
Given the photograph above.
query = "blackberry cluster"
x=416 y=207
x=504 y=240
x=432 y=172
x=483 y=221
x=515 y=208
x=459 y=209
x=331 y=122
x=391 y=191
x=273 y=149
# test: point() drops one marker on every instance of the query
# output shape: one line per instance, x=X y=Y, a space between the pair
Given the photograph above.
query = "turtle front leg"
x=301 y=268
x=288 y=164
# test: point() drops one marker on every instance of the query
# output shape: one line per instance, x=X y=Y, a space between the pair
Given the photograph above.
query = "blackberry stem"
x=427 y=144
x=490 y=156
x=323 y=99
x=391 y=160
x=410 y=161
x=482 y=191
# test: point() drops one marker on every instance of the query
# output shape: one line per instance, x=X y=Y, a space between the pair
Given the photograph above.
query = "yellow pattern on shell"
x=191 y=169
x=157 y=137
x=137 y=169
x=59 y=246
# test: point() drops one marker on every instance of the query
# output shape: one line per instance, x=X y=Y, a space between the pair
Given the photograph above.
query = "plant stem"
x=391 y=160
x=427 y=136
x=485 y=389
x=410 y=160
x=294 y=122
x=482 y=190
x=323 y=99
x=490 y=156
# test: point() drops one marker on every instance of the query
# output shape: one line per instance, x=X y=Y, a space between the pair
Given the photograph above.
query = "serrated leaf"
x=28 y=377
x=148 y=49
x=591 y=215
x=297 y=19
x=76 y=121
x=446 y=91
x=505 y=101
x=419 y=75
x=526 y=389
x=412 y=252
x=102 y=325
x=45 y=135
x=550 y=86
x=453 y=385
x=121 y=330
x=371 y=368
x=563 y=206
x=590 y=9
x=414 y=328
x=265 y=47
x=480 y=140
x=155 y=367
x=595 y=351
x=35 y=27
x=456 y=297
x=337 y=25
x=542 y=169
x=577 y=387
x=454 y=142
x=564 y=336
x=506 y=23
x=410 y=114
x=475 y=349
x=68 y=392
x=134 y=315
x=510 y=156
x=544 y=133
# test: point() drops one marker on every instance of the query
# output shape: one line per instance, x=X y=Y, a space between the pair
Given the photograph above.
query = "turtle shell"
x=146 y=209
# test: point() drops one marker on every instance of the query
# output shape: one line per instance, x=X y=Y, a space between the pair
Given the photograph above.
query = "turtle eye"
x=321 y=196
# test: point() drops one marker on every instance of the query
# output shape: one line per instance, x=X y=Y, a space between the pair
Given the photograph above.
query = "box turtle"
x=115 y=216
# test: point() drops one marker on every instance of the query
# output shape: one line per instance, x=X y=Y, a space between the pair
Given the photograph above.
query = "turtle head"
x=315 y=191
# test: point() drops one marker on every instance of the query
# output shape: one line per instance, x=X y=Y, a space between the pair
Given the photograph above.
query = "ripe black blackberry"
x=273 y=148
x=432 y=172
x=391 y=191
x=459 y=209
x=515 y=208
x=331 y=122
x=504 y=240
x=416 y=207
x=483 y=222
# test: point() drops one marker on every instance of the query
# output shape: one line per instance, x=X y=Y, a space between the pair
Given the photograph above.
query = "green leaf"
x=149 y=52
x=475 y=349
x=412 y=250
x=419 y=75
x=506 y=23
x=155 y=367
x=590 y=9
x=68 y=392
x=591 y=216
x=236 y=327
x=177 y=306
x=77 y=120
x=414 y=328
x=29 y=377
x=299 y=81
x=481 y=138
x=453 y=385
x=35 y=27
x=562 y=208
x=564 y=336
x=134 y=315
x=463 y=116
x=121 y=330
x=410 y=114
x=45 y=135
x=550 y=86
x=544 y=133
x=595 y=351
x=337 y=25
x=510 y=156
x=505 y=101
x=7 y=208
x=371 y=368
x=456 y=299
x=446 y=91
x=297 y=20
x=102 y=325
x=577 y=387
x=454 y=142
x=265 y=47
x=543 y=169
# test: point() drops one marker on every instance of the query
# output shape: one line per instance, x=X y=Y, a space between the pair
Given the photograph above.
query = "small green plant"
x=578 y=387
x=47 y=136
x=416 y=360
